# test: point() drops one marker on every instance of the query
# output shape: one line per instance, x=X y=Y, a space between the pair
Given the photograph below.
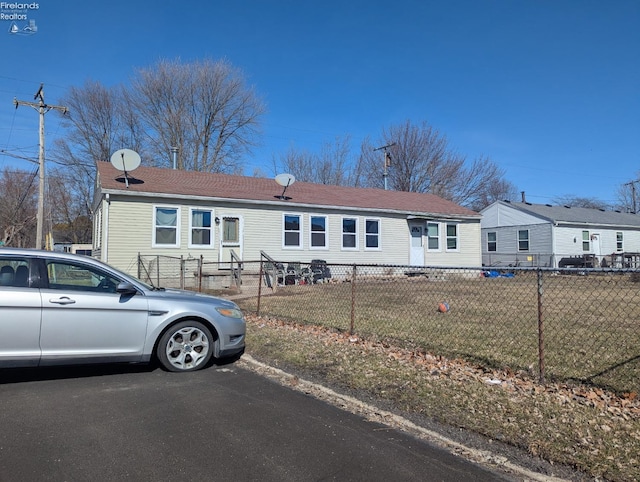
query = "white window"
x=292 y=231
x=200 y=228
x=619 y=241
x=433 y=236
x=350 y=233
x=166 y=227
x=372 y=234
x=492 y=241
x=318 y=232
x=523 y=240
x=452 y=237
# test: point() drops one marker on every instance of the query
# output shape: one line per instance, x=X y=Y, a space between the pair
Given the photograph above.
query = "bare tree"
x=18 y=208
x=422 y=161
x=98 y=124
x=580 y=202
x=332 y=165
x=629 y=196
x=69 y=214
x=204 y=108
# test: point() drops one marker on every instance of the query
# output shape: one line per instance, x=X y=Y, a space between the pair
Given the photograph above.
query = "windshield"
x=127 y=275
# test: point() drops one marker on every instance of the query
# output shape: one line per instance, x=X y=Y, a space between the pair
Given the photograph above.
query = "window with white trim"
x=372 y=233
x=166 y=227
x=452 y=237
x=318 y=232
x=200 y=228
x=619 y=241
x=523 y=240
x=350 y=233
x=492 y=241
x=292 y=231
x=433 y=236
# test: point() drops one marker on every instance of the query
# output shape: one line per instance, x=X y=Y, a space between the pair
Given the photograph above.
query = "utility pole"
x=42 y=109
x=387 y=162
x=633 y=193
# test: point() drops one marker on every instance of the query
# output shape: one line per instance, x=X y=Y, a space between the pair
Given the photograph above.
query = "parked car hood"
x=168 y=293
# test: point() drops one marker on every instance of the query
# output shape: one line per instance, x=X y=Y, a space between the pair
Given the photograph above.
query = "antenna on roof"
x=387 y=162
x=285 y=180
x=125 y=160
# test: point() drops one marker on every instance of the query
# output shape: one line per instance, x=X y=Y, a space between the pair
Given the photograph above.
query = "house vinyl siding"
x=499 y=215
x=468 y=253
x=608 y=240
x=264 y=231
x=507 y=247
x=556 y=232
x=127 y=226
x=131 y=230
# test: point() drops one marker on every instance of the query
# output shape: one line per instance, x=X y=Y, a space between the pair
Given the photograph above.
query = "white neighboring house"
x=192 y=214
x=525 y=234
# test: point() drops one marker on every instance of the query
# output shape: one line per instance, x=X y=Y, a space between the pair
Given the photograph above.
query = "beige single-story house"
x=159 y=211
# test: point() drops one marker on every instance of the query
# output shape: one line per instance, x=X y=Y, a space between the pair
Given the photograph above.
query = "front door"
x=595 y=246
x=416 y=254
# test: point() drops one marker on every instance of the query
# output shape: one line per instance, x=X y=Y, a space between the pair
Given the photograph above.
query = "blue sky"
x=547 y=89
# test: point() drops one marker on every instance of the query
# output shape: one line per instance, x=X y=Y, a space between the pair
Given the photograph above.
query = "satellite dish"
x=285 y=180
x=125 y=160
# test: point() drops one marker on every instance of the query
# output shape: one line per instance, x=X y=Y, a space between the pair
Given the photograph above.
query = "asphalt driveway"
x=222 y=423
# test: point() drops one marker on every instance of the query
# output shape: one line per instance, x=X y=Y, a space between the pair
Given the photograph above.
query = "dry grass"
x=590 y=324
x=590 y=429
x=476 y=367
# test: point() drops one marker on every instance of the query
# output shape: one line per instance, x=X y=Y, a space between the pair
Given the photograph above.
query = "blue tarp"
x=497 y=274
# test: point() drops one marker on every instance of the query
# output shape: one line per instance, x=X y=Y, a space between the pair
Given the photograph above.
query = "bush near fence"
x=572 y=325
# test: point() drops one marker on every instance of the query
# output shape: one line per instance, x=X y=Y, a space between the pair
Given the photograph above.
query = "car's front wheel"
x=185 y=346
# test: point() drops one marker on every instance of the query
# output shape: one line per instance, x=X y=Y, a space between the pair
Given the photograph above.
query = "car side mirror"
x=126 y=289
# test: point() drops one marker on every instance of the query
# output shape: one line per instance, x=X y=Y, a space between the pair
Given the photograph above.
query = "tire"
x=185 y=347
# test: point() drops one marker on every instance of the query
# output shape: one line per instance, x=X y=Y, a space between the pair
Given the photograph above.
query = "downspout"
x=554 y=261
x=105 y=230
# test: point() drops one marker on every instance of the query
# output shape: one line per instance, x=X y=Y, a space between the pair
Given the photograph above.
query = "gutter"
x=280 y=204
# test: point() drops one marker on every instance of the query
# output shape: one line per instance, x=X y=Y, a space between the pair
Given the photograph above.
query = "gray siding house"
x=185 y=213
x=525 y=234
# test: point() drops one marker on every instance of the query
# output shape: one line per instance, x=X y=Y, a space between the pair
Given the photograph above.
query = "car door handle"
x=64 y=300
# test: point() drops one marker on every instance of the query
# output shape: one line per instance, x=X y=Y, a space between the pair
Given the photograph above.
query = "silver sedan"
x=58 y=308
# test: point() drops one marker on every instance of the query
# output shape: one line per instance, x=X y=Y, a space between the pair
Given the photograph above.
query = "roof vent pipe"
x=174 y=156
x=524 y=199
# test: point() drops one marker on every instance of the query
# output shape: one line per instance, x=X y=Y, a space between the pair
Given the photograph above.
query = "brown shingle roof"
x=153 y=180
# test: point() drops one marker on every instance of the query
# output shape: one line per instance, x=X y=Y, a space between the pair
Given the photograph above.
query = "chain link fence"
x=574 y=324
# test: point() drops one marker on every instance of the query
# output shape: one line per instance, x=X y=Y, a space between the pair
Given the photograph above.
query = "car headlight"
x=230 y=312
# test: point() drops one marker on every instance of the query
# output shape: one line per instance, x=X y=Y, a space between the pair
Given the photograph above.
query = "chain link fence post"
x=260 y=275
x=540 y=327
x=182 y=270
x=353 y=299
